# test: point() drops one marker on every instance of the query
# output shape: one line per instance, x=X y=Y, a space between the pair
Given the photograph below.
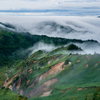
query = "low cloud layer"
x=88 y=48
x=66 y=27
x=83 y=28
x=42 y=46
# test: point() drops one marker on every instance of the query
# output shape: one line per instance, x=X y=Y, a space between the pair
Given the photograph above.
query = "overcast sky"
x=50 y=7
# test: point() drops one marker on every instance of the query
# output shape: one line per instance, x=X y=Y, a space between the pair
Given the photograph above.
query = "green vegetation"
x=2 y=76
x=78 y=78
x=73 y=47
x=6 y=94
x=11 y=42
x=67 y=76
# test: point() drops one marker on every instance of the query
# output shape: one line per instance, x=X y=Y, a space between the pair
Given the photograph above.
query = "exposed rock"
x=54 y=69
x=5 y=82
x=46 y=93
x=64 y=66
x=34 y=61
x=9 y=81
x=18 y=84
x=66 y=90
x=21 y=92
x=70 y=63
x=78 y=61
x=96 y=64
x=79 y=89
x=10 y=87
x=86 y=66
x=35 y=81
x=30 y=71
x=27 y=82
x=49 y=62
x=41 y=89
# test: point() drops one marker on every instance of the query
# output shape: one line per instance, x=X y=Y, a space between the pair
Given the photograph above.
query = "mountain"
x=65 y=75
x=66 y=72
x=54 y=27
x=7 y=25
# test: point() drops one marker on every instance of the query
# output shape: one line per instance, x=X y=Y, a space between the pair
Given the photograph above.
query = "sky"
x=50 y=7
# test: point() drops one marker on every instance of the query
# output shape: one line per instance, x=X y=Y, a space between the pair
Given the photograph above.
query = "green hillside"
x=56 y=77
x=6 y=94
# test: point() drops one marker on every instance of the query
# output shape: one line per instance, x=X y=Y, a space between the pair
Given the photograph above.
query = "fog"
x=70 y=27
x=41 y=46
x=74 y=27
x=87 y=48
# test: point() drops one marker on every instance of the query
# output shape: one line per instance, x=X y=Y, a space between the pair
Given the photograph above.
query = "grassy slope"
x=2 y=76
x=83 y=74
x=6 y=94
x=77 y=76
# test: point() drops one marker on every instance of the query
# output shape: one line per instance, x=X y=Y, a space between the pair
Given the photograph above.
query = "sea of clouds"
x=70 y=27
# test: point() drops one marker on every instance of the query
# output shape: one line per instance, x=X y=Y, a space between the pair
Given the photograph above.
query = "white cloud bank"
x=73 y=27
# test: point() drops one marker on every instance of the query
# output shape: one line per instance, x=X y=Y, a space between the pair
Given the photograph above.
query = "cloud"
x=28 y=13
x=42 y=46
x=73 y=27
x=59 y=26
x=45 y=4
x=56 y=6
